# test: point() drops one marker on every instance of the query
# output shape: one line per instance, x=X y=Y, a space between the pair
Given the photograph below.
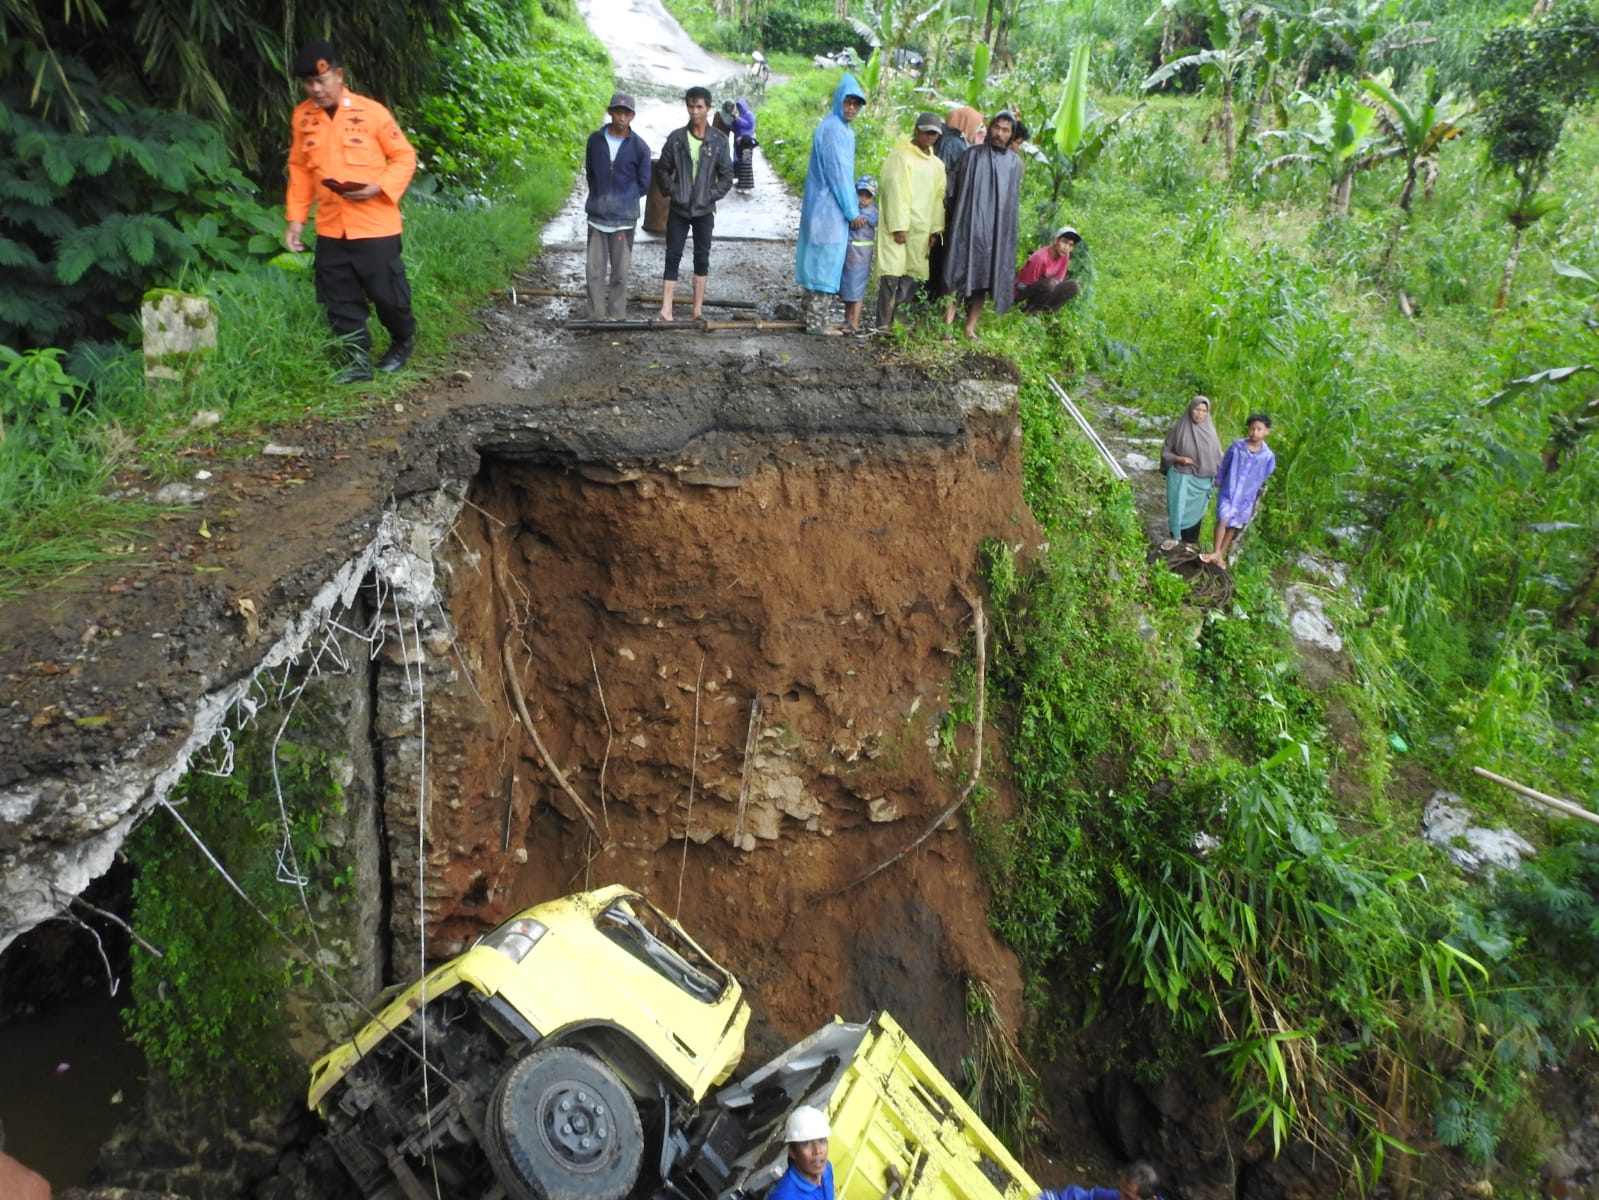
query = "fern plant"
x=90 y=219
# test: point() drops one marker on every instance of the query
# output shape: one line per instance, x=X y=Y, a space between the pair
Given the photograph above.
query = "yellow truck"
x=571 y=1055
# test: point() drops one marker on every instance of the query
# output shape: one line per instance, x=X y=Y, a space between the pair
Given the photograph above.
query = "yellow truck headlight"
x=515 y=939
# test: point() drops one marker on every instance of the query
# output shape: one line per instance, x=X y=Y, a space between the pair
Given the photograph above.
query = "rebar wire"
x=300 y=951
x=610 y=736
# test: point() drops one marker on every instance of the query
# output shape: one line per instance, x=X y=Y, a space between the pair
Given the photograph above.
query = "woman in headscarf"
x=1190 y=457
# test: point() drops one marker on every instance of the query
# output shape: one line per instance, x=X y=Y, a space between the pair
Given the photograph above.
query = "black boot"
x=397 y=355
x=359 y=369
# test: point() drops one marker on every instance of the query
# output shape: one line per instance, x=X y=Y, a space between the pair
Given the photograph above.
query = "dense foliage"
x=210 y=1012
x=149 y=197
x=225 y=62
x=1202 y=835
x=91 y=218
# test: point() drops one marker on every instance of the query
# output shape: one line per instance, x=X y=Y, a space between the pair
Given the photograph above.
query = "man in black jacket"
x=617 y=166
x=696 y=170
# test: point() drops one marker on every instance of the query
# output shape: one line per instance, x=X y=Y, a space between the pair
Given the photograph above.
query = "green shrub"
x=510 y=91
x=209 y=1012
x=798 y=32
x=89 y=221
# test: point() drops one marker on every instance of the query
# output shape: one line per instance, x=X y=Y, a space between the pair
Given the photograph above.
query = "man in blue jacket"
x=1137 y=1181
x=830 y=210
x=617 y=166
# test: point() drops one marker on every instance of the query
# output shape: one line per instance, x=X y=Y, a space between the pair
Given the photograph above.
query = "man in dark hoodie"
x=617 y=166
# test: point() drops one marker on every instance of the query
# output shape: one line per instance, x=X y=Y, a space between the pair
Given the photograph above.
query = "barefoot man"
x=980 y=241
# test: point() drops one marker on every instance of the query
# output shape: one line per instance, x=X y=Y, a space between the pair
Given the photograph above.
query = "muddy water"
x=66 y=1078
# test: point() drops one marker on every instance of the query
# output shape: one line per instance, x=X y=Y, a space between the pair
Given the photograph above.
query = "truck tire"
x=560 y=1126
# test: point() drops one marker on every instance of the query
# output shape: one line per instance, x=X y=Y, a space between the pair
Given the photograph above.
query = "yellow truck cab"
x=570 y=1055
x=543 y=1059
x=889 y=1107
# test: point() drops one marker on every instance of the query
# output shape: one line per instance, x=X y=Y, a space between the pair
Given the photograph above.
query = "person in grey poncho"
x=980 y=240
x=1190 y=456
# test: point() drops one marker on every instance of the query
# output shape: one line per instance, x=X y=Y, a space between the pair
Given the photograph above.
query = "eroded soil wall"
x=743 y=677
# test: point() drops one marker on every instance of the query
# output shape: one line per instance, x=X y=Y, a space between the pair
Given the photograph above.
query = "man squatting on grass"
x=348 y=157
x=617 y=167
x=696 y=170
x=1042 y=286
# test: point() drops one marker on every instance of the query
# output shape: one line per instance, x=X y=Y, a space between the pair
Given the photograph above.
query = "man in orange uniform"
x=349 y=158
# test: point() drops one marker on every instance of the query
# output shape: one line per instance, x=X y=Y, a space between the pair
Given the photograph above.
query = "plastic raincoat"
x=912 y=199
x=980 y=240
x=830 y=203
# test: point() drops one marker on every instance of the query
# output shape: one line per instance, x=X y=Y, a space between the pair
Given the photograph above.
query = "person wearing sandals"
x=830 y=213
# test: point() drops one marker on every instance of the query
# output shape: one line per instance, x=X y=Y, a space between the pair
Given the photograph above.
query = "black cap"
x=314 y=58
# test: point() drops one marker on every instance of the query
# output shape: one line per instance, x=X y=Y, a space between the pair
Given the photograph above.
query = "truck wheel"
x=560 y=1126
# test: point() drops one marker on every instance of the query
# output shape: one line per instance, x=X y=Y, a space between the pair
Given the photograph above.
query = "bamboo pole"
x=655 y=299
x=678 y=326
x=1565 y=807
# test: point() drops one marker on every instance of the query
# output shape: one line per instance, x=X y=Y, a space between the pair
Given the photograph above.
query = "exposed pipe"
x=1082 y=422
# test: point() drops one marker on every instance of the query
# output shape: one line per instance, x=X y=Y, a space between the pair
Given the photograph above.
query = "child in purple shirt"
x=1244 y=469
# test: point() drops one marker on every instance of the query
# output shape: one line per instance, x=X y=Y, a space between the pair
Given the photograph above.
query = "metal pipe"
x=1082 y=422
x=1553 y=802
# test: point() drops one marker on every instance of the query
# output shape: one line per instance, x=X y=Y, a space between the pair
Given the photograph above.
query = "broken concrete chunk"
x=180 y=334
x=1446 y=823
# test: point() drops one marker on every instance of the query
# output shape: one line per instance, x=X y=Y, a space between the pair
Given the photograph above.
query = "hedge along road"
x=654 y=57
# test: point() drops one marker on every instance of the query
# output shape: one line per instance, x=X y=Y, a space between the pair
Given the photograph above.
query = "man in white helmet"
x=809 y=1175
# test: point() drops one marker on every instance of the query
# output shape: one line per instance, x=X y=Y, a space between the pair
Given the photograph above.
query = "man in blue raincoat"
x=830 y=210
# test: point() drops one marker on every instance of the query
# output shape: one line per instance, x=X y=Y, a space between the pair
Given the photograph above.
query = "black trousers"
x=1047 y=295
x=677 y=231
x=352 y=271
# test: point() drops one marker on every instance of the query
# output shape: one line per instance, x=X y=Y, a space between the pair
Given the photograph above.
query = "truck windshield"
x=639 y=928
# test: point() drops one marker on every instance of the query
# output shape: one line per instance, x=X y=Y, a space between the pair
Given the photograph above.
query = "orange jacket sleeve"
x=401 y=158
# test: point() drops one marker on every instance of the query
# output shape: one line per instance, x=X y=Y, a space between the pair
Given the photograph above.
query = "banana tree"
x=1077 y=134
x=1418 y=128
x=1369 y=31
x=1234 y=44
x=1286 y=38
x=887 y=25
x=1342 y=142
x=1531 y=76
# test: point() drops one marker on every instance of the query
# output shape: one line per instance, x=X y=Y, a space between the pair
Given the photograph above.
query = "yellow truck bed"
x=888 y=1105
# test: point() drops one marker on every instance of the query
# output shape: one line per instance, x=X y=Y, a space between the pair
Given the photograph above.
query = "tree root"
x=513 y=684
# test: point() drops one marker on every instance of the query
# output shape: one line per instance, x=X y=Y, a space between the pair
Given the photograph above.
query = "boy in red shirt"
x=1041 y=284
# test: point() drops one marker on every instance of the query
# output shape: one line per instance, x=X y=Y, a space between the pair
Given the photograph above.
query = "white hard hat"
x=806 y=1124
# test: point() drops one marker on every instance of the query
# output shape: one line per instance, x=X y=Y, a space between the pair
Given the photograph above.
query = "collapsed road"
x=676 y=610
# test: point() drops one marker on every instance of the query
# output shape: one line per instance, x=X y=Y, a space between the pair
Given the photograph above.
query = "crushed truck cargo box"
x=888 y=1105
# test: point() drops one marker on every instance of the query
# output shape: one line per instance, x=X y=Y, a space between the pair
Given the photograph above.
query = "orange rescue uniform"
x=359 y=143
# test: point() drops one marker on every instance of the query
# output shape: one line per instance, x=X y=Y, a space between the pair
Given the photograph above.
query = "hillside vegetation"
x=135 y=161
x=1396 y=258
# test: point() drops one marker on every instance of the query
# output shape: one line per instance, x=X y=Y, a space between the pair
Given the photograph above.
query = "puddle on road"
x=646 y=42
